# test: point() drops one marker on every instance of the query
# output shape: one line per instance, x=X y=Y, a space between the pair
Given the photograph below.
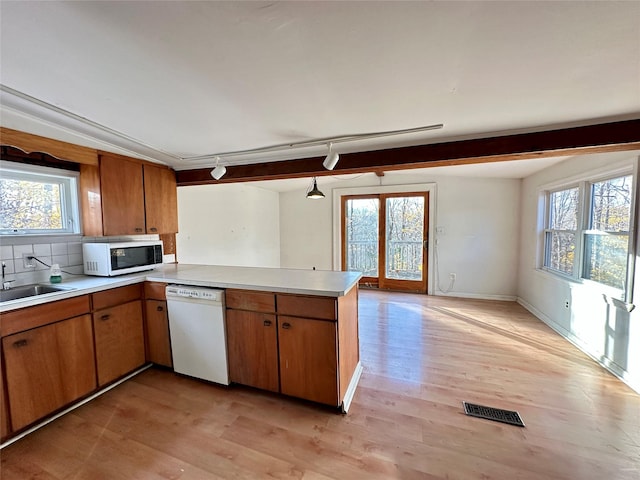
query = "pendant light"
x=314 y=193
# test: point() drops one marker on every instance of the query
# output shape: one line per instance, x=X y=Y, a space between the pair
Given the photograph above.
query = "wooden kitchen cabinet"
x=290 y=343
x=5 y=428
x=157 y=335
x=137 y=197
x=308 y=359
x=47 y=368
x=161 y=199
x=121 y=184
x=252 y=346
x=157 y=329
x=119 y=333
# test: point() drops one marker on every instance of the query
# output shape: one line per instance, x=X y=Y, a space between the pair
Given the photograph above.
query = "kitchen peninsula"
x=303 y=322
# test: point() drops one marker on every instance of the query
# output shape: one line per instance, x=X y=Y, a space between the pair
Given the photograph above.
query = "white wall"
x=228 y=225
x=479 y=217
x=607 y=333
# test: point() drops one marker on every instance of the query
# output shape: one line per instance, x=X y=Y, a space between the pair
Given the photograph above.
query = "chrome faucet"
x=6 y=284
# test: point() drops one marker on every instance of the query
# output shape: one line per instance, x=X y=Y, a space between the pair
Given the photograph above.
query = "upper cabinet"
x=121 y=182
x=160 y=199
x=137 y=197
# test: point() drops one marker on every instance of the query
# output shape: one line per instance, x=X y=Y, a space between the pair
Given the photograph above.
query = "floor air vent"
x=490 y=413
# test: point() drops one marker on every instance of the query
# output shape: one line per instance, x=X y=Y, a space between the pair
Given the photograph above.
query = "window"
x=37 y=200
x=587 y=231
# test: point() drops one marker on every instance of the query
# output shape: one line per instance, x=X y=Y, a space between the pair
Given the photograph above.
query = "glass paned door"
x=360 y=229
x=384 y=237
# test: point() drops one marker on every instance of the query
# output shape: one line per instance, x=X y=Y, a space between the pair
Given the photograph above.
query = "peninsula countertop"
x=282 y=280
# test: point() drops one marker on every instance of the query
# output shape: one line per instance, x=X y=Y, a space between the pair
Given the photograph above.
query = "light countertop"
x=282 y=280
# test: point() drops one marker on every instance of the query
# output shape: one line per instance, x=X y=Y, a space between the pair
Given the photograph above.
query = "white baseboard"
x=351 y=389
x=478 y=296
x=613 y=368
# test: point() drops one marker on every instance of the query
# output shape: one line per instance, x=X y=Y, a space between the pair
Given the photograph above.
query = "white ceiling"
x=182 y=79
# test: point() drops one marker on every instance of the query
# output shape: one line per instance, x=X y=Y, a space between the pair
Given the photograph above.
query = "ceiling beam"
x=606 y=137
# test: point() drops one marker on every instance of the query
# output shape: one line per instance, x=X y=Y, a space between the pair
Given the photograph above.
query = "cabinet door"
x=158 y=340
x=252 y=346
x=161 y=202
x=4 y=414
x=122 y=196
x=308 y=359
x=47 y=368
x=119 y=340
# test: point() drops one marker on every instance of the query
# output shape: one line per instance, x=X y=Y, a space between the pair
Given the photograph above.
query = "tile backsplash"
x=65 y=250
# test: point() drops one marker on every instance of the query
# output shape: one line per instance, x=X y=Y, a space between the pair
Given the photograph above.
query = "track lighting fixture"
x=314 y=193
x=331 y=160
x=219 y=170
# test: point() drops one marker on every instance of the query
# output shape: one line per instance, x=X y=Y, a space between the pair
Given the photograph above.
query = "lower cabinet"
x=288 y=343
x=157 y=324
x=252 y=346
x=158 y=340
x=4 y=413
x=48 y=367
x=308 y=359
x=119 y=338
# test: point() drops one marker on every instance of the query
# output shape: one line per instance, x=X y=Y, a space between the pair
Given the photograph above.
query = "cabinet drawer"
x=250 y=300
x=309 y=307
x=115 y=296
x=31 y=317
x=155 y=290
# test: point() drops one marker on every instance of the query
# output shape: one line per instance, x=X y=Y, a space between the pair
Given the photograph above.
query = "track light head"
x=331 y=160
x=219 y=170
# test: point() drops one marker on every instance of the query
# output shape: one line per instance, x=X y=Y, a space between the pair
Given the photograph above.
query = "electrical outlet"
x=28 y=261
x=452 y=277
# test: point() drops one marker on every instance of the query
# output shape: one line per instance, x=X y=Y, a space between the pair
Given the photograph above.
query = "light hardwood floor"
x=422 y=357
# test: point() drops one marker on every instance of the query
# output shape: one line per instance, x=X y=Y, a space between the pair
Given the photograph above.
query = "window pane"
x=561 y=248
x=362 y=235
x=611 y=205
x=605 y=259
x=563 y=209
x=405 y=227
x=30 y=205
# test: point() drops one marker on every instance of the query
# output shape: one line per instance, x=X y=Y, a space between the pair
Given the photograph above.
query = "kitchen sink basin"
x=29 y=291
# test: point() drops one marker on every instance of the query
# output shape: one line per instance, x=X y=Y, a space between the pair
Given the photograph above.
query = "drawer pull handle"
x=159 y=308
x=286 y=326
x=20 y=343
x=153 y=229
x=138 y=229
x=105 y=317
x=267 y=323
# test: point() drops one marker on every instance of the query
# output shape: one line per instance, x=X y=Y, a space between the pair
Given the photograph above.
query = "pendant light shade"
x=314 y=193
x=331 y=160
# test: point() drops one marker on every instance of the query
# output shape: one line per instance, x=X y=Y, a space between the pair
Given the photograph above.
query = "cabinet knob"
x=20 y=343
x=286 y=326
x=267 y=323
x=105 y=317
x=160 y=308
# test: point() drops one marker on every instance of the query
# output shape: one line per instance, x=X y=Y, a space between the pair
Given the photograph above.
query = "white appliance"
x=198 y=333
x=109 y=259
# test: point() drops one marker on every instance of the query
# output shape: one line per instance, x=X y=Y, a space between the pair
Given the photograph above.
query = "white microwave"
x=110 y=259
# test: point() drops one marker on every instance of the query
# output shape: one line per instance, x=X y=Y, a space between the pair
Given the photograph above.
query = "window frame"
x=584 y=184
x=70 y=198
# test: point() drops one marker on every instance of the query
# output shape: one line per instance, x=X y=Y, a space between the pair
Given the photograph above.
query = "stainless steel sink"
x=29 y=291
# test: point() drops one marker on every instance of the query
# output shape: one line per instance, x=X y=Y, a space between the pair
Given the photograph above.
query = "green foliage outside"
x=29 y=205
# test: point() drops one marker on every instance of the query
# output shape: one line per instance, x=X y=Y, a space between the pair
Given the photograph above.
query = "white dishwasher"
x=198 y=333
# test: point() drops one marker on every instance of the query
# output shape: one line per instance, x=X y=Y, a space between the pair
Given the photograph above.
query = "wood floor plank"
x=422 y=356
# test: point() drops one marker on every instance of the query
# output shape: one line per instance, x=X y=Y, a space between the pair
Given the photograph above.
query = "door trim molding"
x=430 y=188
